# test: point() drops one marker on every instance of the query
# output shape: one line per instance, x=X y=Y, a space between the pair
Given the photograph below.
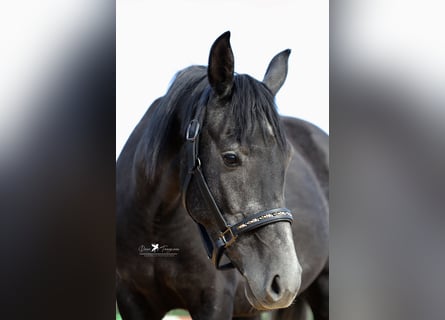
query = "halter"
x=228 y=233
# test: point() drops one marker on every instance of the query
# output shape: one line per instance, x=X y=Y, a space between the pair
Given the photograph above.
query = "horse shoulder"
x=312 y=144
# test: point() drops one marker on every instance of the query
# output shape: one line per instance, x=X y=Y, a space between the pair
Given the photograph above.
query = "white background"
x=157 y=39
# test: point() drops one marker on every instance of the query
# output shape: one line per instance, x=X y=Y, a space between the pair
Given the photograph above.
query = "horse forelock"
x=251 y=105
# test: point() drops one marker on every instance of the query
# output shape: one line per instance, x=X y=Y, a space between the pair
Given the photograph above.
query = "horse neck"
x=159 y=199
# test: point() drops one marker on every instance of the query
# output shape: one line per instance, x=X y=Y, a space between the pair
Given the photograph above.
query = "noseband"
x=228 y=233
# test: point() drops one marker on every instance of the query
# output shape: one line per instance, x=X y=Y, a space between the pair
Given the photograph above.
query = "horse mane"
x=251 y=103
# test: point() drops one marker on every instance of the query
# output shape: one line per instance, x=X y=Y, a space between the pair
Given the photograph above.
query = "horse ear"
x=277 y=71
x=221 y=65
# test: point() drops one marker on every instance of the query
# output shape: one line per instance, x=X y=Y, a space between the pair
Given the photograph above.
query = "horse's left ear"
x=277 y=71
x=221 y=66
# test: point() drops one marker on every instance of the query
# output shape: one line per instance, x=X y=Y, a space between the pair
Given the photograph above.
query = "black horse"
x=213 y=163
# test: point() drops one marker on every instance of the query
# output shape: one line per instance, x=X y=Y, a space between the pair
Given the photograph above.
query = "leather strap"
x=228 y=234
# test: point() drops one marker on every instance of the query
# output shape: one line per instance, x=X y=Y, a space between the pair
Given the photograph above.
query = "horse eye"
x=231 y=159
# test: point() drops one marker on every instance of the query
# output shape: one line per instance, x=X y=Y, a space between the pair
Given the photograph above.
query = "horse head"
x=234 y=186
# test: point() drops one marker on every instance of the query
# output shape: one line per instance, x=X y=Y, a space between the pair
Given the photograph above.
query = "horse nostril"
x=276 y=288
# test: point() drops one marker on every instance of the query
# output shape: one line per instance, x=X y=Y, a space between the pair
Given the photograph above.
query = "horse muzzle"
x=272 y=270
x=276 y=295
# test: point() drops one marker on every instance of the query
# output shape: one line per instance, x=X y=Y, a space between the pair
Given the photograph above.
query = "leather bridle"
x=228 y=233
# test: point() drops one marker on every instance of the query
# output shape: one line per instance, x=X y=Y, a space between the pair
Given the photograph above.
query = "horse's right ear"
x=221 y=66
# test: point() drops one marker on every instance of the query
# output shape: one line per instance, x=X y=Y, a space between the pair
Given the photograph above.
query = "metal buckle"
x=192 y=130
x=232 y=237
x=197 y=163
